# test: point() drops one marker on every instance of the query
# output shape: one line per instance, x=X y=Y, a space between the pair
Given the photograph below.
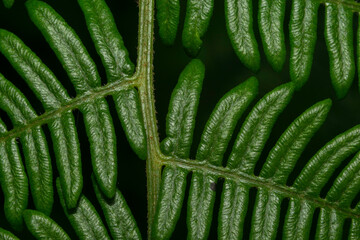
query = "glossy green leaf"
x=239 y=24
x=168 y=13
x=214 y=140
x=14 y=181
x=355 y=226
x=180 y=125
x=257 y=127
x=84 y=219
x=6 y=235
x=287 y=150
x=37 y=158
x=339 y=41
x=197 y=19
x=118 y=216
x=303 y=35
x=271 y=21
x=8 y=3
x=279 y=164
x=233 y=208
x=320 y=167
x=298 y=220
x=330 y=225
x=83 y=74
x=43 y=227
x=53 y=95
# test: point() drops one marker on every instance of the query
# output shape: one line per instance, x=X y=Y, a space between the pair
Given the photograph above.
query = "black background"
x=223 y=72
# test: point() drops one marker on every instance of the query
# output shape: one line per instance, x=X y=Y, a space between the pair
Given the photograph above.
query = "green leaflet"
x=82 y=72
x=257 y=127
x=43 y=227
x=168 y=13
x=298 y=220
x=266 y=215
x=271 y=21
x=14 y=181
x=84 y=219
x=37 y=158
x=248 y=146
x=355 y=226
x=303 y=30
x=197 y=19
x=214 y=140
x=233 y=208
x=339 y=41
x=320 y=167
x=180 y=123
x=238 y=18
x=8 y=3
x=343 y=191
x=117 y=215
x=313 y=177
x=279 y=164
x=53 y=95
x=287 y=150
x=115 y=58
x=6 y=235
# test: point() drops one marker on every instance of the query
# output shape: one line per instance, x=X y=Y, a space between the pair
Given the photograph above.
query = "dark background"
x=223 y=72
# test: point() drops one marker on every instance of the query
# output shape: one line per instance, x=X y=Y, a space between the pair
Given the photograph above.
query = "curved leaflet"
x=14 y=181
x=117 y=215
x=168 y=13
x=214 y=140
x=53 y=95
x=37 y=158
x=303 y=36
x=84 y=219
x=83 y=73
x=197 y=19
x=6 y=235
x=43 y=227
x=238 y=17
x=271 y=21
x=246 y=151
x=314 y=176
x=118 y=66
x=180 y=123
x=279 y=164
x=339 y=41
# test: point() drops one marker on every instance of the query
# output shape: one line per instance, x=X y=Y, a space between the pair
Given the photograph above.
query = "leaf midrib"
x=256 y=181
x=75 y=103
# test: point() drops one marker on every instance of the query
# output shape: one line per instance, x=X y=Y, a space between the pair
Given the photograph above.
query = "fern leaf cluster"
x=168 y=165
x=271 y=15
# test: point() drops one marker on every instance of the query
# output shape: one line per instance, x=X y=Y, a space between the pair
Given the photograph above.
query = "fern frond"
x=83 y=74
x=7 y=235
x=43 y=227
x=14 y=181
x=37 y=158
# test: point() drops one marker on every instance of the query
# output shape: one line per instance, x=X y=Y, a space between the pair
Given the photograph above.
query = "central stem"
x=146 y=92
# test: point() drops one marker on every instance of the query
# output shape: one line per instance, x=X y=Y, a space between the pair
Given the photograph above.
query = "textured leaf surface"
x=197 y=19
x=6 y=235
x=53 y=95
x=14 y=181
x=271 y=20
x=239 y=24
x=303 y=30
x=43 y=227
x=180 y=125
x=213 y=143
x=84 y=219
x=257 y=127
x=118 y=216
x=83 y=74
x=37 y=158
x=168 y=13
x=339 y=41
